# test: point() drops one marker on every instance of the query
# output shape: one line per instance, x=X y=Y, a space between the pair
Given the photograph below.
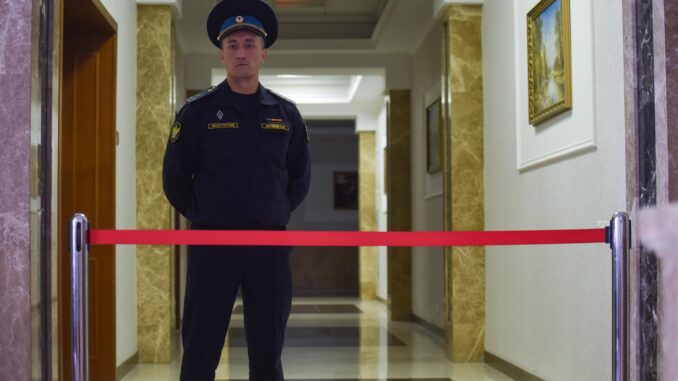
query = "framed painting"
x=433 y=127
x=549 y=60
x=346 y=190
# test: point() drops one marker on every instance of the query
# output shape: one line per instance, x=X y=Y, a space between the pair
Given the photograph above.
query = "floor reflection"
x=341 y=339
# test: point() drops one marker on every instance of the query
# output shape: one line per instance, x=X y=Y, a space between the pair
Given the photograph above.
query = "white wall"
x=125 y=14
x=548 y=307
x=427 y=201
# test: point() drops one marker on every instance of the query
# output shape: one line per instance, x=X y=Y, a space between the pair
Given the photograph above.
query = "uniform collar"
x=266 y=97
x=264 y=94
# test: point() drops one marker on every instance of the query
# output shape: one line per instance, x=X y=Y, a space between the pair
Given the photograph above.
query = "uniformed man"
x=237 y=158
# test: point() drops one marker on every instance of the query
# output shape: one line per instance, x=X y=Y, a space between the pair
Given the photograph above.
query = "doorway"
x=331 y=204
x=86 y=173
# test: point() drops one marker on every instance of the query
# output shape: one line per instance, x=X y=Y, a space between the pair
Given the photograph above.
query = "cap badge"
x=220 y=115
x=239 y=20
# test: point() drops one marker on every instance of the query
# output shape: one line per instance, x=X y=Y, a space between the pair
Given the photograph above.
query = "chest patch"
x=219 y=126
x=276 y=126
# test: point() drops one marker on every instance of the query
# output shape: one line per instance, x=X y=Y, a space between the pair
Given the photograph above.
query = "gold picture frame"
x=433 y=135
x=549 y=60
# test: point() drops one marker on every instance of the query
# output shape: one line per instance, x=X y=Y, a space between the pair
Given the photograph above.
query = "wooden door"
x=87 y=179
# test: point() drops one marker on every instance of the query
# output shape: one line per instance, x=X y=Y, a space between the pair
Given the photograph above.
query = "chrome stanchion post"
x=79 y=233
x=620 y=242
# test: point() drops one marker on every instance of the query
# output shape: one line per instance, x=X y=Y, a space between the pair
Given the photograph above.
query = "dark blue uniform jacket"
x=223 y=169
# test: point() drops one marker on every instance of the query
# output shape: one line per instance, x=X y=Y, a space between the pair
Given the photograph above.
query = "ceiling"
x=326 y=88
x=327 y=19
x=324 y=24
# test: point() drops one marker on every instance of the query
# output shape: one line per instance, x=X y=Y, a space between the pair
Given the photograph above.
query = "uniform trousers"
x=214 y=275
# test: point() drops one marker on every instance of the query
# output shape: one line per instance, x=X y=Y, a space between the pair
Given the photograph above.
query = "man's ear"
x=264 y=54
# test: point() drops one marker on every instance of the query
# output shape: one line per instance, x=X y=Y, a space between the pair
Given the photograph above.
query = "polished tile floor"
x=340 y=339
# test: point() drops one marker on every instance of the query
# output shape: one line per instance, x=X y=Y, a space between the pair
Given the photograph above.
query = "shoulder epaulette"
x=281 y=97
x=201 y=94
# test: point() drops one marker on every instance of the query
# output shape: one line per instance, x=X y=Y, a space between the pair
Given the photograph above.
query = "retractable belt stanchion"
x=620 y=242
x=79 y=237
x=618 y=235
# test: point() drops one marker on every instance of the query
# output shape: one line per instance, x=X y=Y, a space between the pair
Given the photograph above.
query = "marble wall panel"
x=660 y=102
x=671 y=43
x=15 y=109
x=660 y=225
x=658 y=230
x=630 y=94
x=650 y=65
x=367 y=200
x=646 y=138
x=154 y=113
x=463 y=191
x=399 y=203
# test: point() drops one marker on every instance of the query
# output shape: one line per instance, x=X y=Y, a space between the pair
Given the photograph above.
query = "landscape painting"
x=549 y=69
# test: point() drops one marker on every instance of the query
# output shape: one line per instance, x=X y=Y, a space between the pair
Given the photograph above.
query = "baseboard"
x=431 y=327
x=124 y=368
x=509 y=369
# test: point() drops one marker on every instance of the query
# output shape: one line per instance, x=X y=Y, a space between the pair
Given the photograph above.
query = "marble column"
x=367 y=201
x=154 y=114
x=399 y=203
x=658 y=230
x=642 y=141
x=15 y=128
x=651 y=66
x=463 y=187
x=671 y=49
x=630 y=103
x=657 y=137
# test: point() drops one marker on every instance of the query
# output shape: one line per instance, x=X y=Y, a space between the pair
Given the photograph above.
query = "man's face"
x=242 y=53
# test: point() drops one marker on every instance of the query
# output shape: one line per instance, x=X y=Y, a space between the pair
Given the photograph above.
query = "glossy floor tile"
x=319 y=337
x=315 y=309
x=366 y=347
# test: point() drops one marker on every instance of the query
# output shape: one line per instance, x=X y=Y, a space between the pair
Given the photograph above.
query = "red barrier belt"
x=344 y=238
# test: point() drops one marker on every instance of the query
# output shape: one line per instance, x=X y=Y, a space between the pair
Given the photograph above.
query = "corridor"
x=421 y=116
x=339 y=339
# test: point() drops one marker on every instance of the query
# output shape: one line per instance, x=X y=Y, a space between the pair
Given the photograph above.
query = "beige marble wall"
x=463 y=187
x=399 y=203
x=154 y=112
x=367 y=200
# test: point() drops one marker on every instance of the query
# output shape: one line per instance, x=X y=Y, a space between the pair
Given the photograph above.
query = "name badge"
x=276 y=126
x=218 y=126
